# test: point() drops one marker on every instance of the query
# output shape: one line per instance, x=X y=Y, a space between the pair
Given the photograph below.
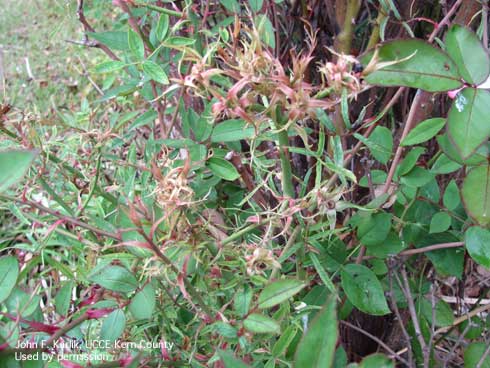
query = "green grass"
x=37 y=32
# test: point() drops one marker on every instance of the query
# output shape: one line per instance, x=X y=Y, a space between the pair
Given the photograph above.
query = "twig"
x=394 y=306
x=483 y=357
x=94 y=185
x=484 y=20
x=28 y=69
x=444 y=20
x=63 y=330
x=88 y=28
x=2 y=72
x=460 y=339
x=398 y=154
x=461 y=319
x=430 y=248
x=413 y=315
x=69 y=219
x=87 y=75
x=175 y=114
x=377 y=340
x=368 y=132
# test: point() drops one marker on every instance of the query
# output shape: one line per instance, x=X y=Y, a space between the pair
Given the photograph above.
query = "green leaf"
x=231 y=131
x=377 y=361
x=424 y=67
x=115 y=40
x=344 y=108
x=255 y=5
x=222 y=168
x=113 y=325
x=475 y=194
x=284 y=341
x=136 y=45
x=9 y=271
x=230 y=361
x=444 y=165
x=373 y=229
x=380 y=143
x=317 y=347
x=162 y=27
x=142 y=305
x=390 y=246
x=327 y=281
x=178 y=41
x=447 y=262
x=242 y=300
x=115 y=278
x=451 y=199
x=266 y=30
x=325 y=120
x=423 y=131
x=9 y=333
x=467 y=119
x=225 y=329
x=473 y=353
x=440 y=223
x=468 y=53
x=417 y=177
x=364 y=290
x=21 y=302
x=279 y=291
x=13 y=166
x=155 y=72
x=442 y=312
x=231 y=5
x=377 y=177
x=477 y=242
x=410 y=160
x=260 y=324
x=62 y=300
x=109 y=66
x=480 y=156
